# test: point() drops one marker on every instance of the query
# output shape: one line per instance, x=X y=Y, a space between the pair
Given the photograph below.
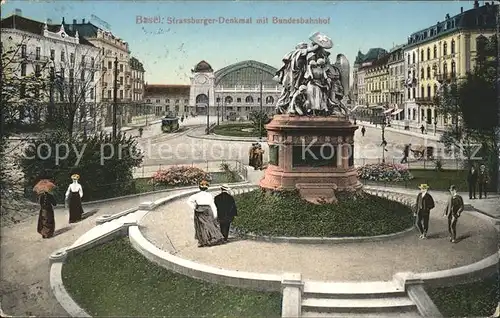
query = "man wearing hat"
x=483 y=180
x=453 y=211
x=423 y=207
x=226 y=208
x=251 y=154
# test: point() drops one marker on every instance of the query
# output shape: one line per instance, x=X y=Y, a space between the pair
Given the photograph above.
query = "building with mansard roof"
x=47 y=49
x=440 y=54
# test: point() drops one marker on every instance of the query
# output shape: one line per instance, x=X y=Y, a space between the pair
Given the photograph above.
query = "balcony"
x=446 y=77
x=424 y=100
x=128 y=73
x=32 y=57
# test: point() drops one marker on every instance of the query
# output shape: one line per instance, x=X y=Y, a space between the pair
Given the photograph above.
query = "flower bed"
x=179 y=176
x=387 y=172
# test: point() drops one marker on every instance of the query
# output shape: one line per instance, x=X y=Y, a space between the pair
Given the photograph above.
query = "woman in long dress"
x=206 y=228
x=74 y=196
x=46 y=221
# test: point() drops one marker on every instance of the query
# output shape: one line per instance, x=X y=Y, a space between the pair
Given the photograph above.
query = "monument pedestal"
x=312 y=154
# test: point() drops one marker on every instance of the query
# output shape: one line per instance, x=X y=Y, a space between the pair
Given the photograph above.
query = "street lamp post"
x=115 y=100
x=382 y=123
x=218 y=107
x=261 y=114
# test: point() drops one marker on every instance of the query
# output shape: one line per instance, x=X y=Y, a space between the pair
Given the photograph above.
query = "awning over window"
x=397 y=111
x=388 y=111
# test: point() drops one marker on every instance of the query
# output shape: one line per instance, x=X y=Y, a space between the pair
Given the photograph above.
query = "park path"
x=170 y=228
x=24 y=282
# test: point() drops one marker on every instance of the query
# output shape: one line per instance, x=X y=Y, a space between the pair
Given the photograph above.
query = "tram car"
x=170 y=124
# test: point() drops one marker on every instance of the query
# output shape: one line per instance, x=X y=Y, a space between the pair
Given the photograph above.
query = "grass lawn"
x=236 y=130
x=142 y=184
x=477 y=299
x=115 y=280
x=286 y=214
x=437 y=180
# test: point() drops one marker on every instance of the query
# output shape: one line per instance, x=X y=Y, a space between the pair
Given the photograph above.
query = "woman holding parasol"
x=46 y=221
x=74 y=195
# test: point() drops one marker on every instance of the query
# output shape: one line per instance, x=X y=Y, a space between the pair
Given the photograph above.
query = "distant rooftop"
x=161 y=89
x=21 y=23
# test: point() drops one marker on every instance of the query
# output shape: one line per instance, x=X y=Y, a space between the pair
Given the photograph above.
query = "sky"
x=170 y=51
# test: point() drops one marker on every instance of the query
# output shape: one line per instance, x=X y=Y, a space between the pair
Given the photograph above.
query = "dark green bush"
x=287 y=214
x=110 y=178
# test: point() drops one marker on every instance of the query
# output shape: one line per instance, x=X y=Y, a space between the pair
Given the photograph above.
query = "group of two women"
x=46 y=219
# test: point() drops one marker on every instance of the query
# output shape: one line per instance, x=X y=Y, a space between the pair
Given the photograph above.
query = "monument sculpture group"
x=311 y=140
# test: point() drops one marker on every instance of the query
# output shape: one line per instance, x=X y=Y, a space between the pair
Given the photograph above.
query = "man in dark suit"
x=226 y=210
x=453 y=210
x=472 y=182
x=483 y=180
x=423 y=207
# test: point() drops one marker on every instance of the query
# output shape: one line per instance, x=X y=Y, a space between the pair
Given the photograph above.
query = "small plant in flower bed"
x=179 y=176
x=387 y=172
x=285 y=213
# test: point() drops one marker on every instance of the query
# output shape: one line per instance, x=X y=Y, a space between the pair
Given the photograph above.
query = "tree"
x=19 y=99
x=472 y=104
x=73 y=88
x=259 y=119
x=105 y=164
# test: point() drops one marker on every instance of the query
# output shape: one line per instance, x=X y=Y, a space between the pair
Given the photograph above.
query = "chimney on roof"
x=49 y=21
x=18 y=12
x=461 y=9
x=83 y=21
x=63 y=22
x=476 y=4
x=74 y=21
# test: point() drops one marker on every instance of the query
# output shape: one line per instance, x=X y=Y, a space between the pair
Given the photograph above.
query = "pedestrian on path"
x=453 y=210
x=406 y=152
x=226 y=210
x=363 y=131
x=258 y=157
x=424 y=205
x=74 y=196
x=483 y=179
x=46 y=221
x=206 y=229
x=472 y=182
x=422 y=129
x=141 y=130
x=251 y=155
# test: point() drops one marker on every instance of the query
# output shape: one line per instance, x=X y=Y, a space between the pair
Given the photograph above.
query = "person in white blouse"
x=74 y=196
x=207 y=231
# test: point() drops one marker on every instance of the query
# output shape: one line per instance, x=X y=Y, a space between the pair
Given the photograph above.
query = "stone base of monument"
x=312 y=154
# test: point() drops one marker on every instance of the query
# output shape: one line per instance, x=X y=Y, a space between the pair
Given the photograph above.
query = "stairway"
x=370 y=299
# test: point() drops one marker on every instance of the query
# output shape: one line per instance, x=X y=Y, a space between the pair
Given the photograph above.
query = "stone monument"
x=311 y=140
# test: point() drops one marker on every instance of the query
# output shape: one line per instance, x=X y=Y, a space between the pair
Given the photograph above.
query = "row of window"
x=59 y=95
x=167 y=101
x=38 y=49
x=60 y=73
x=248 y=99
x=445 y=70
x=435 y=53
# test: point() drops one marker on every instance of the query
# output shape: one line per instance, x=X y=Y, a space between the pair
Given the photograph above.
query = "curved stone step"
x=316 y=289
x=407 y=314
x=358 y=305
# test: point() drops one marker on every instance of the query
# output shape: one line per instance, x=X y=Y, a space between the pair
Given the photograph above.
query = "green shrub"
x=100 y=178
x=285 y=213
x=229 y=172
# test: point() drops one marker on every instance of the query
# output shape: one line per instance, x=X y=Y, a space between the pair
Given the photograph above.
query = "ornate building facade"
x=137 y=80
x=165 y=99
x=440 y=54
x=234 y=90
x=396 y=81
x=361 y=64
x=62 y=55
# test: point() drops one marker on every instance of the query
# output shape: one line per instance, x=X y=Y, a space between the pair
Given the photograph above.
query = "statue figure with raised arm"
x=320 y=88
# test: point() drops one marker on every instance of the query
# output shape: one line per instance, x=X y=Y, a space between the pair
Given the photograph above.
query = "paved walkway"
x=24 y=283
x=341 y=262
